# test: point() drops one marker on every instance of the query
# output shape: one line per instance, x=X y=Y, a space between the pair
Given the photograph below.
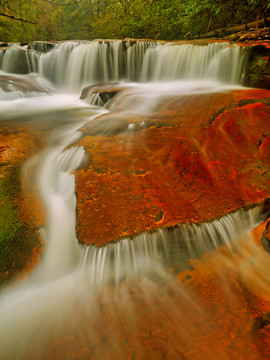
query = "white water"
x=66 y=292
x=72 y=65
x=217 y=61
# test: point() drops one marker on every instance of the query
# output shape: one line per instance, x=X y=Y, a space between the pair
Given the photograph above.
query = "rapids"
x=132 y=299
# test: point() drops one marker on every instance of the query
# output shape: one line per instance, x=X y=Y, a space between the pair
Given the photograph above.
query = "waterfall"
x=217 y=61
x=19 y=60
x=41 y=46
x=154 y=293
x=71 y=65
x=97 y=61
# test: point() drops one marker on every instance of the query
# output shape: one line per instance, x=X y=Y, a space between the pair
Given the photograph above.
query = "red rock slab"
x=191 y=159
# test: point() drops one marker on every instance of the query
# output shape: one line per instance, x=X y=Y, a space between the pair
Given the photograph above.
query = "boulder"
x=105 y=91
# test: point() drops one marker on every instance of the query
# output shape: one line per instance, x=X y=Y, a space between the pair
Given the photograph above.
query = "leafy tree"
x=25 y=20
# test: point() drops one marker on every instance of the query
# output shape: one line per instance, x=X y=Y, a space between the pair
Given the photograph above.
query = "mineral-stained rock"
x=191 y=159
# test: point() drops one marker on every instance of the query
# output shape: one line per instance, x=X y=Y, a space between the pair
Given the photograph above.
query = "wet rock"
x=42 y=46
x=258 y=67
x=266 y=209
x=105 y=91
x=159 y=176
x=266 y=238
x=26 y=83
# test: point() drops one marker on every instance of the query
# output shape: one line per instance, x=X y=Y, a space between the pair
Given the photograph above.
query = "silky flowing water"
x=172 y=294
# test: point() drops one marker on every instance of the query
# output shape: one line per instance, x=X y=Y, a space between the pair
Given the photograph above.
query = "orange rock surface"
x=191 y=159
x=217 y=309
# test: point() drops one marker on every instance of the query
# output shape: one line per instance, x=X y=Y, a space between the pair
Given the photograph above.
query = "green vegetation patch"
x=17 y=236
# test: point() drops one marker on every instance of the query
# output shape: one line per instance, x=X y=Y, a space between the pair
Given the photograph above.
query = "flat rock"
x=192 y=159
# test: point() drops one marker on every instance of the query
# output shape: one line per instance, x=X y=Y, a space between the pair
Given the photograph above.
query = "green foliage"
x=155 y=19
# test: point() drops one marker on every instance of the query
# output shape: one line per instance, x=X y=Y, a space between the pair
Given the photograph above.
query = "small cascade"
x=218 y=61
x=95 y=100
x=23 y=86
x=15 y=95
x=135 y=57
x=56 y=185
x=19 y=60
x=54 y=64
x=135 y=258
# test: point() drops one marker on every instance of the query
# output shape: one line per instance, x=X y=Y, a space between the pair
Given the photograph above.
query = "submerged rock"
x=24 y=83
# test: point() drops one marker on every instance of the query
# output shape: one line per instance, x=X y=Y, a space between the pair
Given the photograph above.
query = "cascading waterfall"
x=217 y=61
x=76 y=290
x=19 y=60
x=42 y=46
x=72 y=65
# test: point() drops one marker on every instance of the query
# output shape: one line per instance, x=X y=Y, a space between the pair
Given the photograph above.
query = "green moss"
x=17 y=236
x=258 y=67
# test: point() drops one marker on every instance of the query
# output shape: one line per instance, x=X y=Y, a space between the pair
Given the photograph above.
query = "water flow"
x=71 y=65
x=217 y=61
x=82 y=301
x=19 y=60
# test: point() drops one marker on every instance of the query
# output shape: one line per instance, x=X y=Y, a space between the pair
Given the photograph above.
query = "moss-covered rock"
x=258 y=67
x=17 y=236
x=18 y=229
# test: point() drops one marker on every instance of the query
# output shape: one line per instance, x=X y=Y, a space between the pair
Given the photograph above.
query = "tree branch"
x=251 y=12
x=63 y=3
x=12 y=17
x=56 y=8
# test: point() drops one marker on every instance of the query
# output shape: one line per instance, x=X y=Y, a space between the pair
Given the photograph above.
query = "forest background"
x=28 y=20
